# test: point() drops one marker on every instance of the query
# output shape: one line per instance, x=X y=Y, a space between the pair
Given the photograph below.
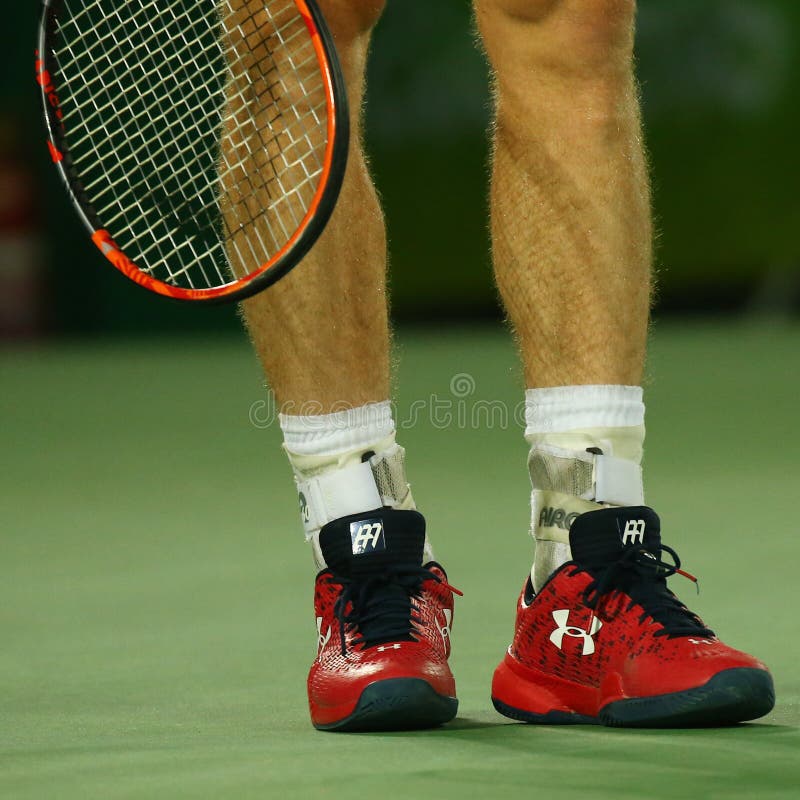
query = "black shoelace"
x=643 y=577
x=381 y=606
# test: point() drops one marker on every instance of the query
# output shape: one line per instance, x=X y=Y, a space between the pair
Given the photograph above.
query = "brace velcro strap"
x=617 y=481
x=336 y=494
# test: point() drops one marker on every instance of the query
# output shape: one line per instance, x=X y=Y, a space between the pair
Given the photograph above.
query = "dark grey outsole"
x=734 y=695
x=397 y=704
x=550 y=718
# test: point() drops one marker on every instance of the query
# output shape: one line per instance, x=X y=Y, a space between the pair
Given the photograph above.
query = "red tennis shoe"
x=606 y=642
x=383 y=622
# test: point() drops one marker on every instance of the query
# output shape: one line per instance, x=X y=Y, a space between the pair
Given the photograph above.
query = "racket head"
x=68 y=131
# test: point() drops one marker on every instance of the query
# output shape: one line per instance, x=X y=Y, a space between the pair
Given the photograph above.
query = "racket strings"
x=284 y=165
x=165 y=237
x=198 y=129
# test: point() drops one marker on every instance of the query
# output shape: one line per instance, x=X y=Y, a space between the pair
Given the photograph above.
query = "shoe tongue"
x=366 y=543
x=597 y=538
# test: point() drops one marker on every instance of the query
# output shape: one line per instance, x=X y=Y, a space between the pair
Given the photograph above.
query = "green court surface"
x=155 y=593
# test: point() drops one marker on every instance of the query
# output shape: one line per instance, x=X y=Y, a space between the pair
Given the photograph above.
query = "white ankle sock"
x=345 y=463
x=339 y=432
x=586 y=453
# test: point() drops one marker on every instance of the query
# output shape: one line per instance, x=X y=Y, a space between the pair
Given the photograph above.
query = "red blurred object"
x=22 y=285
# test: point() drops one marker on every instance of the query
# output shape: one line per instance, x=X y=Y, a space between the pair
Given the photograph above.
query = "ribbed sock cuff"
x=561 y=409
x=339 y=432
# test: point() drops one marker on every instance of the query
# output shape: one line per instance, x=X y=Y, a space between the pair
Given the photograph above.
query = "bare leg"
x=322 y=331
x=571 y=237
x=570 y=199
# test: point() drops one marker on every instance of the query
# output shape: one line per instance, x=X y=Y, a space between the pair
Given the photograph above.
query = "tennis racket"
x=203 y=143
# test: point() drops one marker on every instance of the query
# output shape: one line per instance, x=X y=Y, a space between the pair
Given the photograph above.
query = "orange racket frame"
x=310 y=227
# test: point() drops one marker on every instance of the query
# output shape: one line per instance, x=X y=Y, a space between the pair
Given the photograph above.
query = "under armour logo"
x=444 y=630
x=322 y=640
x=701 y=641
x=384 y=647
x=367 y=536
x=557 y=636
x=634 y=532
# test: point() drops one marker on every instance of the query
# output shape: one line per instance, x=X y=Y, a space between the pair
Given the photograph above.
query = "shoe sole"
x=396 y=704
x=733 y=695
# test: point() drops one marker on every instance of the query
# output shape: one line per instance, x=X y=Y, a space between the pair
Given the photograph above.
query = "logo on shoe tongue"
x=634 y=532
x=367 y=536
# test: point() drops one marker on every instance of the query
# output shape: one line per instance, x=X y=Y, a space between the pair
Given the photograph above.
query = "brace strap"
x=360 y=486
x=567 y=483
x=617 y=481
x=336 y=494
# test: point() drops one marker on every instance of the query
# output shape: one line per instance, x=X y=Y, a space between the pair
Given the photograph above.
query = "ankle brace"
x=341 y=467
x=580 y=468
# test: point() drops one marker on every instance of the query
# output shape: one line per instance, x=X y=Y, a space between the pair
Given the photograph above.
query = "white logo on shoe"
x=634 y=532
x=564 y=629
x=384 y=647
x=322 y=640
x=701 y=641
x=367 y=536
x=444 y=630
